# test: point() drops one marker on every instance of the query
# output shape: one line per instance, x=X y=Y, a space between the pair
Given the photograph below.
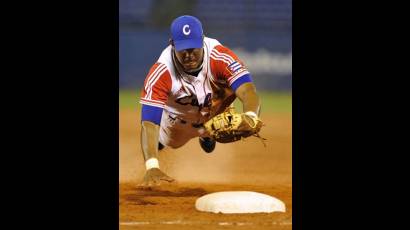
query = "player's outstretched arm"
x=231 y=126
x=149 y=139
x=249 y=98
x=149 y=145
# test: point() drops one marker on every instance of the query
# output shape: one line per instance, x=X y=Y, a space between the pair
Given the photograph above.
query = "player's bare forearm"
x=249 y=98
x=149 y=139
x=149 y=145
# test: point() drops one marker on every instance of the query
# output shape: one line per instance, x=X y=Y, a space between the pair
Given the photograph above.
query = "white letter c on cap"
x=184 y=31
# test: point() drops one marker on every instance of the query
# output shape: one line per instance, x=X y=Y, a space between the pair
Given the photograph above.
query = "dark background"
x=258 y=31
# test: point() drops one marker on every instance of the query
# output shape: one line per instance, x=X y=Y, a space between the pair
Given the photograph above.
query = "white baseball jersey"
x=180 y=102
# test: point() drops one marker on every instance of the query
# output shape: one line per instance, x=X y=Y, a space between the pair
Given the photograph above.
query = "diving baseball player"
x=194 y=80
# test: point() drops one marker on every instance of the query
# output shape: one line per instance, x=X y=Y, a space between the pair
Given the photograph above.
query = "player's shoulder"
x=165 y=55
x=162 y=68
x=163 y=65
x=215 y=46
x=222 y=56
x=211 y=42
x=165 y=59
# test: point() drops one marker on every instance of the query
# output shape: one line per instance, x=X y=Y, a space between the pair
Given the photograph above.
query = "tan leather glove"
x=230 y=126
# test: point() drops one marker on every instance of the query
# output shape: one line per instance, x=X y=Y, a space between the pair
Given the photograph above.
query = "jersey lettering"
x=193 y=101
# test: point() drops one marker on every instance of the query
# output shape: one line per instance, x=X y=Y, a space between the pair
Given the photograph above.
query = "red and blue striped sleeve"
x=154 y=94
x=225 y=65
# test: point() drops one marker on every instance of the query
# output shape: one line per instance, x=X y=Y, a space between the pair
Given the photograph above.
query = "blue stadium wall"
x=259 y=32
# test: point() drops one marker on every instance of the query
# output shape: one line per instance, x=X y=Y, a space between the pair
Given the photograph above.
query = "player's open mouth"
x=191 y=63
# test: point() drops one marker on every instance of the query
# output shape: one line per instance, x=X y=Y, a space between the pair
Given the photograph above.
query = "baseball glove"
x=230 y=126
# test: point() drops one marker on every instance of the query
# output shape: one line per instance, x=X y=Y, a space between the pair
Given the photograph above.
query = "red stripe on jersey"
x=154 y=80
x=154 y=74
x=218 y=58
x=157 y=85
x=227 y=56
x=221 y=58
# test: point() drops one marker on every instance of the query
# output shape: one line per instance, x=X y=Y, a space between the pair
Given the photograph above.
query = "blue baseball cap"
x=187 y=33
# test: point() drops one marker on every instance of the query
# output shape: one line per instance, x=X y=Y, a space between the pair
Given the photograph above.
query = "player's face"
x=190 y=59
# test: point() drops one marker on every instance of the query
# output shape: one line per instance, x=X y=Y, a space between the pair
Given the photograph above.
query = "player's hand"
x=155 y=177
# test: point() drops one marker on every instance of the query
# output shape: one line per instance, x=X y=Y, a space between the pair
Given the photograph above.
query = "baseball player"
x=194 y=79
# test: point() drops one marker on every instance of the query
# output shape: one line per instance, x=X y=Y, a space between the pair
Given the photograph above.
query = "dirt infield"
x=244 y=165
